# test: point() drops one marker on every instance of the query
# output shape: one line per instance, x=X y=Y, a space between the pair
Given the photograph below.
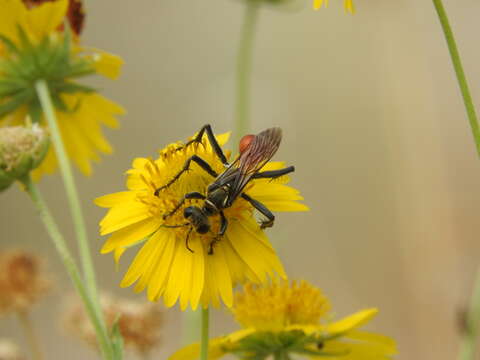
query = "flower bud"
x=22 y=149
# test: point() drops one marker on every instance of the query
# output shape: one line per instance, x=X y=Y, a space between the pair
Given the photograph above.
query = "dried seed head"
x=22 y=280
x=139 y=322
x=22 y=149
x=9 y=350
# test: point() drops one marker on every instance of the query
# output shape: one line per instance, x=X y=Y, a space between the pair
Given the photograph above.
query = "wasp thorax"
x=198 y=219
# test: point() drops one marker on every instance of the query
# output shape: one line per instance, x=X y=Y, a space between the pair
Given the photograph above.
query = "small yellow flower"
x=80 y=110
x=285 y=319
x=347 y=4
x=166 y=265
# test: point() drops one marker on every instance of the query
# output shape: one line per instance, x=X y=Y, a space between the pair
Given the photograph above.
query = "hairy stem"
x=461 y=78
x=70 y=265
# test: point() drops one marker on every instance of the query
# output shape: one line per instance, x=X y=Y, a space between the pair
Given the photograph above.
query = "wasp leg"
x=273 y=174
x=263 y=209
x=223 y=229
x=191 y=195
x=213 y=141
x=197 y=159
x=186 y=240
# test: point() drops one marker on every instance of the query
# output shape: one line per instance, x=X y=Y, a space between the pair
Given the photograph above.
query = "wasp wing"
x=254 y=157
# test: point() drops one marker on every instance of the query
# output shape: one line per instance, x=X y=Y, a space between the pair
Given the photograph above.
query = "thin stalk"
x=244 y=66
x=70 y=265
x=191 y=322
x=204 y=335
x=31 y=336
x=461 y=78
x=467 y=345
x=72 y=194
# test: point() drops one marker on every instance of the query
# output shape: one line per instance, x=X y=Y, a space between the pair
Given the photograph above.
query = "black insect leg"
x=273 y=174
x=213 y=141
x=223 y=229
x=191 y=195
x=263 y=209
x=186 y=240
x=197 y=159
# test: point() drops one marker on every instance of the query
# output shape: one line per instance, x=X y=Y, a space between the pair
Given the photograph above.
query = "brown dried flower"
x=9 y=350
x=22 y=280
x=139 y=322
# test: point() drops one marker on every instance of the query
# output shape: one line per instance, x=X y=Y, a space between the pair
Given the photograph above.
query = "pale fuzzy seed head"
x=139 y=322
x=22 y=149
x=279 y=304
x=22 y=280
x=9 y=350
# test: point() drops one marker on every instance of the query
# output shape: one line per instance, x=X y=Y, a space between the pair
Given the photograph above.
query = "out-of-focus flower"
x=75 y=13
x=35 y=45
x=284 y=319
x=168 y=264
x=347 y=4
x=22 y=149
x=139 y=322
x=22 y=280
x=9 y=350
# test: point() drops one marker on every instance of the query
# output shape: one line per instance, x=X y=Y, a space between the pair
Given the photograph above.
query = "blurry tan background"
x=373 y=122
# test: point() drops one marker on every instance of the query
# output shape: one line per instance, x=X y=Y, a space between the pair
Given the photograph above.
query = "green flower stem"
x=70 y=266
x=244 y=65
x=204 y=337
x=467 y=345
x=30 y=335
x=71 y=190
x=457 y=64
x=191 y=321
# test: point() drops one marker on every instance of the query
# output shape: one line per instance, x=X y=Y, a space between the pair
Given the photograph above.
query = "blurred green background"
x=373 y=122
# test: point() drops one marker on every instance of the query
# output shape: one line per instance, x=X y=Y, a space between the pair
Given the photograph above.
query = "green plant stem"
x=467 y=345
x=191 y=322
x=70 y=265
x=30 y=335
x=71 y=190
x=244 y=65
x=204 y=335
x=461 y=78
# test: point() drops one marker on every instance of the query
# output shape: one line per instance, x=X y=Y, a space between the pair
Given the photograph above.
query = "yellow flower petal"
x=106 y=64
x=351 y=322
x=13 y=14
x=192 y=352
x=122 y=216
x=47 y=17
x=110 y=200
x=131 y=235
x=385 y=344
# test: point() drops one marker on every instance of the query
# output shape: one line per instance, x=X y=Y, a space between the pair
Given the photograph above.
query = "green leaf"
x=9 y=44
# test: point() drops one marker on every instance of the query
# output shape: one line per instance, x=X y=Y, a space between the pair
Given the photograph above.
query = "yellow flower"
x=170 y=266
x=347 y=4
x=282 y=319
x=80 y=112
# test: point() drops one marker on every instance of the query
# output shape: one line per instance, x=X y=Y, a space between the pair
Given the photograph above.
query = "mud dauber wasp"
x=255 y=152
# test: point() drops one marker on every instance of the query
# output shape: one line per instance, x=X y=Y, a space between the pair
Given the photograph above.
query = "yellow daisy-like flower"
x=347 y=4
x=284 y=318
x=170 y=266
x=82 y=112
